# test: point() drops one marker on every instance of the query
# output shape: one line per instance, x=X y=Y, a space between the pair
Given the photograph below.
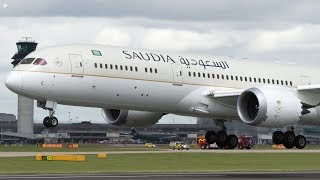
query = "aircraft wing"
x=310 y=88
x=229 y=97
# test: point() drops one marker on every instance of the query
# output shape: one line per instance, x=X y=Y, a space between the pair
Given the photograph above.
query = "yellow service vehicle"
x=178 y=145
x=149 y=145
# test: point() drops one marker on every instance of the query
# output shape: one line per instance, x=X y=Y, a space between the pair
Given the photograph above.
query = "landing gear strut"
x=288 y=139
x=51 y=120
x=222 y=139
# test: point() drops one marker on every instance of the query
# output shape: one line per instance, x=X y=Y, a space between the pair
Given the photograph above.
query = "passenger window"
x=264 y=81
x=277 y=81
x=217 y=76
x=106 y=66
x=212 y=76
x=236 y=78
x=95 y=65
x=194 y=74
x=286 y=83
x=116 y=67
x=231 y=77
x=245 y=79
x=254 y=80
x=259 y=80
x=240 y=78
x=189 y=73
x=290 y=83
x=150 y=70
x=42 y=62
x=227 y=77
x=281 y=82
x=136 y=68
x=199 y=75
x=101 y=66
x=272 y=81
x=222 y=76
x=121 y=67
x=146 y=69
x=126 y=67
x=111 y=66
x=203 y=74
x=208 y=75
x=27 y=61
x=156 y=70
x=268 y=81
x=250 y=79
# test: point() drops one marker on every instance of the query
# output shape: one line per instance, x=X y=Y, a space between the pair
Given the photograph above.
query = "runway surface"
x=23 y=154
x=179 y=176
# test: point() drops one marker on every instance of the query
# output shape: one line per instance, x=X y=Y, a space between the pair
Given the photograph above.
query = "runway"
x=24 y=154
x=178 y=176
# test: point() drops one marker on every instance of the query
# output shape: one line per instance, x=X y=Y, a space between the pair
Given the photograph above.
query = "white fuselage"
x=144 y=80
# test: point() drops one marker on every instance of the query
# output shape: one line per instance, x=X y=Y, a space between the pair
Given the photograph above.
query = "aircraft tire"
x=232 y=141
x=211 y=137
x=300 y=142
x=46 y=122
x=53 y=122
x=289 y=139
x=277 y=137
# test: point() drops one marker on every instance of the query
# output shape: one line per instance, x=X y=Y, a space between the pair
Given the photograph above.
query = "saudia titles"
x=156 y=57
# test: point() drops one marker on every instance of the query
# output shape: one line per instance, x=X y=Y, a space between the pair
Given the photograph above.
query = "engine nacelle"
x=130 y=118
x=269 y=107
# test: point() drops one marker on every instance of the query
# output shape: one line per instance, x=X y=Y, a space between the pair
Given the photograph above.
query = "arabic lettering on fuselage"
x=168 y=59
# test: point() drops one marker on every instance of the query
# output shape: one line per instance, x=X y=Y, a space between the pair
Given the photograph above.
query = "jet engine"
x=130 y=118
x=269 y=107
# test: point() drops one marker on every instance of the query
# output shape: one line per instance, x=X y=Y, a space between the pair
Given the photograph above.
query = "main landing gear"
x=51 y=120
x=222 y=139
x=289 y=139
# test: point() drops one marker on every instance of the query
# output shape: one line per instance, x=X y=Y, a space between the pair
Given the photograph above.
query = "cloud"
x=302 y=37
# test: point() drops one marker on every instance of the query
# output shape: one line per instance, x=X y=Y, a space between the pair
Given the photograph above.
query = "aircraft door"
x=177 y=75
x=76 y=65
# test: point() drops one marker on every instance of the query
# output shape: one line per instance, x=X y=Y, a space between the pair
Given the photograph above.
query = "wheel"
x=277 y=137
x=54 y=121
x=221 y=136
x=46 y=122
x=300 y=142
x=221 y=144
x=289 y=139
x=211 y=137
x=232 y=141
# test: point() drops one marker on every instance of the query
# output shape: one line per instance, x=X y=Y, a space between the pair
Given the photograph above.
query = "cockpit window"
x=40 y=61
x=27 y=61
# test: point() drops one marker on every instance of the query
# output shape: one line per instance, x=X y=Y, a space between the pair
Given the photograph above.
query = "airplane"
x=136 y=87
x=154 y=137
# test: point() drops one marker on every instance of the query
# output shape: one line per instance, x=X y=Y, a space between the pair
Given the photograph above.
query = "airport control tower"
x=25 y=105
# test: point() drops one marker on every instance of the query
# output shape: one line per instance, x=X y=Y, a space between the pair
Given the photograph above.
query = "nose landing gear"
x=51 y=120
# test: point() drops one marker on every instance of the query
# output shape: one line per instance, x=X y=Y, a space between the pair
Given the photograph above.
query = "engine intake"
x=269 y=107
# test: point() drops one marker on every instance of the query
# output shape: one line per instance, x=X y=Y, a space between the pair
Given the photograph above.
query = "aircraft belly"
x=118 y=93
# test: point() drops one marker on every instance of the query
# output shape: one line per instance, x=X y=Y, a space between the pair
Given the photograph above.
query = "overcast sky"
x=272 y=30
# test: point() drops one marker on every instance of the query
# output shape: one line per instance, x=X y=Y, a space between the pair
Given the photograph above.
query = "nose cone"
x=14 y=81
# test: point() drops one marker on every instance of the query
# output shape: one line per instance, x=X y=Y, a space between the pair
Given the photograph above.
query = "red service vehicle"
x=245 y=142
